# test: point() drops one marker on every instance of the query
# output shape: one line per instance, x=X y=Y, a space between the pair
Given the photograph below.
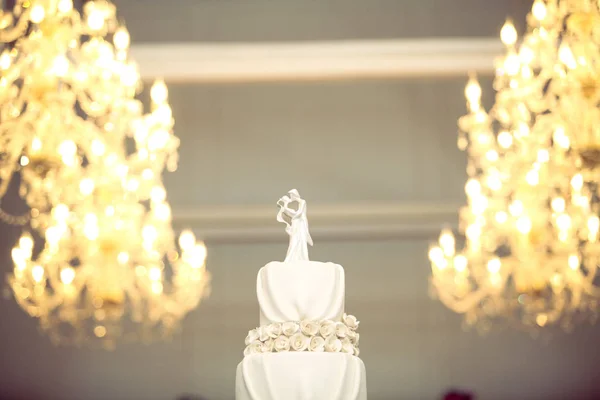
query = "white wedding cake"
x=306 y=347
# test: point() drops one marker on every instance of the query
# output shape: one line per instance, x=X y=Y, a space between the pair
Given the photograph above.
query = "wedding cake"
x=306 y=347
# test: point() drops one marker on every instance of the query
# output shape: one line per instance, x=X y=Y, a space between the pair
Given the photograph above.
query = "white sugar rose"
x=351 y=321
x=274 y=330
x=347 y=347
x=317 y=344
x=356 y=339
x=333 y=344
x=263 y=333
x=356 y=351
x=289 y=328
x=254 y=348
x=351 y=335
x=341 y=330
x=282 y=343
x=267 y=346
x=299 y=342
x=309 y=328
x=252 y=336
x=327 y=328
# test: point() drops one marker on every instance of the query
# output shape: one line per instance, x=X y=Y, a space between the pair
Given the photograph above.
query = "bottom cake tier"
x=301 y=376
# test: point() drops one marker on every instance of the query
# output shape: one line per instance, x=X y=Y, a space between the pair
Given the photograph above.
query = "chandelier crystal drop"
x=100 y=261
x=531 y=225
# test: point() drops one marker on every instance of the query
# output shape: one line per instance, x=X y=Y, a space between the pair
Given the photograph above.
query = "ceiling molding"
x=297 y=61
x=366 y=221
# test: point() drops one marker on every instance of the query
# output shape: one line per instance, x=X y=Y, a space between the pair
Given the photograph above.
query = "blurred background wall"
x=386 y=148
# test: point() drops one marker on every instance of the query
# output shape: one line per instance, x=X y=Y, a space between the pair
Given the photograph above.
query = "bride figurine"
x=297 y=228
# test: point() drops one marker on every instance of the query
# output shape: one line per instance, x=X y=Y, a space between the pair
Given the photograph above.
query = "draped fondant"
x=301 y=376
x=299 y=290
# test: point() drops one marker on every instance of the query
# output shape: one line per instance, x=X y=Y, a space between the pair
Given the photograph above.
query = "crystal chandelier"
x=531 y=225
x=100 y=262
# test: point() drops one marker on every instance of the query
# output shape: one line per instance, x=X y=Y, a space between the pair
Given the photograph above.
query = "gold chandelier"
x=100 y=262
x=531 y=225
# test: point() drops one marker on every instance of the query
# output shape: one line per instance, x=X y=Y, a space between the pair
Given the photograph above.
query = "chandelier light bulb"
x=508 y=33
x=67 y=275
x=121 y=39
x=523 y=225
x=512 y=64
x=594 y=224
x=187 y=240
x=158 y=194
x=543 y=156
x=527 y=56
x=505 y=139
x=563 y=222
x=558 y=205
x=86 y=186
x=159 y=92
x=198 y=255
x=36 y=144
x=37 y=13
x=60 y=66
x=130 y=76
x=472 y=188
x=447 y=242
x=574 y=262
x=539 y=10
x=494 y=182
x=501 y=217
x=492 y=155
x=516 y=208
x=65 y=6
x=37 y=272
x=460 y=263
x=163 y=212
x=494 y=265
x=123 y=257
x=577 y=182
x=436 y=255
x=95 y=20
x=473 y=94
x=532 y=177
x=154 y=274
x=60 y=212
x=98 y=148
x=26 y=242
x=149 y=234
x=566 y=56
x=5 y=60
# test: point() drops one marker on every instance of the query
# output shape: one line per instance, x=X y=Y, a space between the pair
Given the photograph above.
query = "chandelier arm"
x=14 y=31
x=465 y=304
x=89 y=106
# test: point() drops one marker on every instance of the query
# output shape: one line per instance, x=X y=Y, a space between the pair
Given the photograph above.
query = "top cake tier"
x=300 y=290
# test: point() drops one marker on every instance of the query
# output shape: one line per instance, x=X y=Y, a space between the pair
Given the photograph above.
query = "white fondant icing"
x=299 y=290
x=301 y=376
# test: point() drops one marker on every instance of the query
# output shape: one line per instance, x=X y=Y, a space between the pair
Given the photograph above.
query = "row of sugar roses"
x=301 y=342
x=325 y=328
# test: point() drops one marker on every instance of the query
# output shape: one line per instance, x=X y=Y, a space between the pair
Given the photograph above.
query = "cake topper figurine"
x=297 y=228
